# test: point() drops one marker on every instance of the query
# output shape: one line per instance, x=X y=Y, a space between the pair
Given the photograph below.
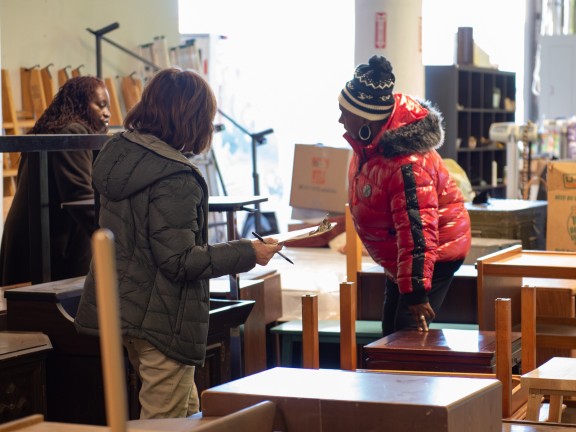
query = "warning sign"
x=380 y=30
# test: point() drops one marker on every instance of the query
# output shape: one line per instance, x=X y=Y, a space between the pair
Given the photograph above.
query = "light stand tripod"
x=100 y=37
x=257 y=139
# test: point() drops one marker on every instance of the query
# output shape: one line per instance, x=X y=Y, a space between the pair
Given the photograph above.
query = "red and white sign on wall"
x=380 y=30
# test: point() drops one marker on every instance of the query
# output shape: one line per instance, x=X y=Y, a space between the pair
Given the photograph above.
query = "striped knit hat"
x=369 y=93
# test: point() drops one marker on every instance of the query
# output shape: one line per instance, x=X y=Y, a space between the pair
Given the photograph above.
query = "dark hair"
x=178 y=107
x=71 y=105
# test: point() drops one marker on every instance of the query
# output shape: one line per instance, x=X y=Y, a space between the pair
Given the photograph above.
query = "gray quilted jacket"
x=155 y=201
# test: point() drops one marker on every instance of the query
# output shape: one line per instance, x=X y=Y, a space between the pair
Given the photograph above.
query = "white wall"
x=54 y=31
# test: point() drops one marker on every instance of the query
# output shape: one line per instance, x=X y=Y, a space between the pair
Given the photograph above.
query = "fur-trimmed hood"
x=402 y=137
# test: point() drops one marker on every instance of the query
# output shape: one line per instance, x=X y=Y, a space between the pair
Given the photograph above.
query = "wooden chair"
x=47 y=83
x=63 y=75
x=556 y=378
x=33 y=95
x=348 y=347
x=116 y=118
x=514 y=397
x=256 y=418
x=353 y=249
x=37 y=92
x=131 y=88
x=76 y=71
x=10 y=163
x=14 y=122
x=543 y=331
x=310 y=342
x=105 y=275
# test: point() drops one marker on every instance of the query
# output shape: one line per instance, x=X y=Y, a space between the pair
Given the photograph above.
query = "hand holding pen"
x=272 y=242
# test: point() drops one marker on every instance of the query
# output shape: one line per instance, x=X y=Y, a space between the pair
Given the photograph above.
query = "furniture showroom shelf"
x=471 y=99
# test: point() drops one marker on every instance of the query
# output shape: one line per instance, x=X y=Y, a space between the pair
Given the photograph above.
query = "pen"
x=259 y=237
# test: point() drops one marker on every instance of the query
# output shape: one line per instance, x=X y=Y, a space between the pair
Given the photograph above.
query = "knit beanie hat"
x=369 y=93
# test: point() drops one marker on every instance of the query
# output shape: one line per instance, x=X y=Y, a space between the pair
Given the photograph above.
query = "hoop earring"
x=365 y=133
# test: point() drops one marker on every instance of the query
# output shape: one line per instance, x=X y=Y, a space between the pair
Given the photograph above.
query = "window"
x=290 y=60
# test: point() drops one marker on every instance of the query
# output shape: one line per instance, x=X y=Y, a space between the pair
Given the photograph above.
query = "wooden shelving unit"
x=471 y=99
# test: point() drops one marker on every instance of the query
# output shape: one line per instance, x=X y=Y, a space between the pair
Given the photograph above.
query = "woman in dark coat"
x=155 y=202
x=81 y=106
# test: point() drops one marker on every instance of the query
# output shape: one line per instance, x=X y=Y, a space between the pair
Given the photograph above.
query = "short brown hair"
x=178 y=107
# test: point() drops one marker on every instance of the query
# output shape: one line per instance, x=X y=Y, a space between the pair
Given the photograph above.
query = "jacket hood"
x=414 y=126
x=130 y=162
x=417 y=136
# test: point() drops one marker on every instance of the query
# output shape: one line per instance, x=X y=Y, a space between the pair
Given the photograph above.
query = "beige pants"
x=168 y=389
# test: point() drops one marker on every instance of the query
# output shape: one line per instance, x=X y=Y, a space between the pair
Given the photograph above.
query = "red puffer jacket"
x=408 y=211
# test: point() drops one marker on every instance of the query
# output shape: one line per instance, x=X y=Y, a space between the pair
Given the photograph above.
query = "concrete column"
x=392 y=28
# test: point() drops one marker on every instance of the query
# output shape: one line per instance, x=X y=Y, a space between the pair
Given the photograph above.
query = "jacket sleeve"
x=72 y=171
x=177 y=224
x=415 y=217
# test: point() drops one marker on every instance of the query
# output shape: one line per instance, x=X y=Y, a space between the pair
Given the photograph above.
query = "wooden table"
x=444 y=350
x=501 y=275
x=310 y=400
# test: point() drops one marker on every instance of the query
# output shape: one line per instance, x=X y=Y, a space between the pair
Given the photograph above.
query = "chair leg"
x=348 y=348
x=310 y=337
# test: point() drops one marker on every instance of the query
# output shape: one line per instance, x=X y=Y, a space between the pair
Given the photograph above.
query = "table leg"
x=287 y=343
x=235 y=340
x=555 y=411
x=533 y=409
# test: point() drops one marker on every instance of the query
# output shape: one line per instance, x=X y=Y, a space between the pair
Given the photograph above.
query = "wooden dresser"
x=22 y=374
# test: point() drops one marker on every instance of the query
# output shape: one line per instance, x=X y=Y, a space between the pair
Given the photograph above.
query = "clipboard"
x=304 y=233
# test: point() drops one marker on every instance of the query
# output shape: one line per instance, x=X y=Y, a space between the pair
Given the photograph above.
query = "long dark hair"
x=71 y=105
x=178 y=107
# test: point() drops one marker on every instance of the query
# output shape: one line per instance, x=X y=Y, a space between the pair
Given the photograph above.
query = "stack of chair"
x=522 y=394
x=33 y=95
x=131 y=90
x=514 y=398
x=14 y=122
x=63 y=75
x=116 y=118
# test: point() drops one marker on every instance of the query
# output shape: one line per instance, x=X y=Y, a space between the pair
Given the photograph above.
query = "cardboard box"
x=320 y=177
x=561 y=232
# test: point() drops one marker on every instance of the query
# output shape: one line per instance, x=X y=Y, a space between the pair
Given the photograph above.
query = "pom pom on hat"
x=370 y=93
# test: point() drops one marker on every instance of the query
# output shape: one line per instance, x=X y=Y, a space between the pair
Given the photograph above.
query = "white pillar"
x=393 y=28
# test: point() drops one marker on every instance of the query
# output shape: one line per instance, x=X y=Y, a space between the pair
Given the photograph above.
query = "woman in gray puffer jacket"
x=155 y=202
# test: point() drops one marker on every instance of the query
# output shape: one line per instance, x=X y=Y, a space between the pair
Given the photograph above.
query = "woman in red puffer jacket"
x=407 y=210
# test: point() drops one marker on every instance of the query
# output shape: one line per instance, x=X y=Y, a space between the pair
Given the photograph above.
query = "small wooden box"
x=439 y=350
